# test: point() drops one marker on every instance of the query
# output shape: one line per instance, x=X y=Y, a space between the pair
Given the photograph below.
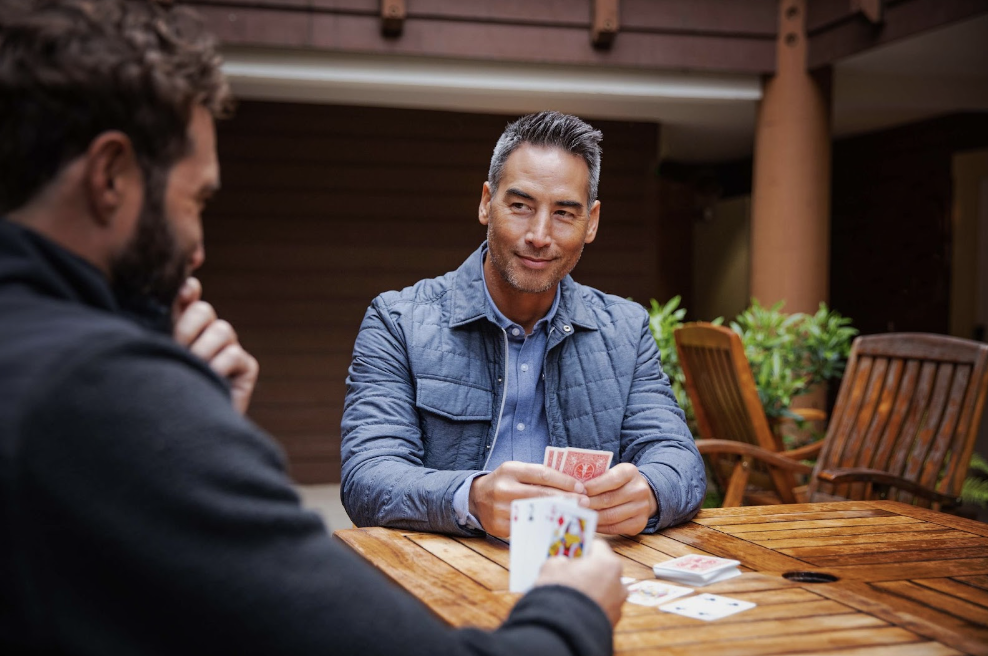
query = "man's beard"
x=152 y=268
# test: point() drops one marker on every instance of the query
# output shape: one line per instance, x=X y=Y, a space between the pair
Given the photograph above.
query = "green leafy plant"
x=975 y=490
x=790 y=353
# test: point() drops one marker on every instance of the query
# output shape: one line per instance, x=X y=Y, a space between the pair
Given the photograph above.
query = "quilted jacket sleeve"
x=654 y=437
x=384 y=480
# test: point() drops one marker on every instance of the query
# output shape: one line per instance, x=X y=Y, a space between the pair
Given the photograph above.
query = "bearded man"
x=140 y=512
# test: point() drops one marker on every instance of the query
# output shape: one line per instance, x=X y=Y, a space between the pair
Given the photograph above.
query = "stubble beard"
x=510 y=275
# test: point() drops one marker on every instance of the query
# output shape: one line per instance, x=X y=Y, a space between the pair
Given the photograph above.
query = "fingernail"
x=579 y=488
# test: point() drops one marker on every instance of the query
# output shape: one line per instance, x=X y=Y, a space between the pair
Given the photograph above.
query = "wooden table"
x=910 y=581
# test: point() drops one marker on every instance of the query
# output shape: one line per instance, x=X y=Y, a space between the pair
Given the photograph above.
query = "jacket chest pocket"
x=453 y=400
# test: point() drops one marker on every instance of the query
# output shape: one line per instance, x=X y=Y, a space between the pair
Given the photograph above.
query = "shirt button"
x=524 y=367
x=515 y=332
x=521 y=427
x=566 y=329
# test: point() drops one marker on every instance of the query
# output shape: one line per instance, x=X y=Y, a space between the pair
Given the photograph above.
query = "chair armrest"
x=805 y=452
x=809 y=414
x=875 y=476
x=713 y=447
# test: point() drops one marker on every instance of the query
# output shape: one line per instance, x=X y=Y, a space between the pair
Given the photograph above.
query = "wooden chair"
x=734 y=431
x=904 y=424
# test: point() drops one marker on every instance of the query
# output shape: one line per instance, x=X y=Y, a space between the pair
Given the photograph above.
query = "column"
x=790 y=223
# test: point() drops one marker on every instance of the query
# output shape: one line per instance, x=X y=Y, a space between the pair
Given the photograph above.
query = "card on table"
x=707 y=607
x=542 y=528
x=697 y=569
x=653 y=593
x=583 y=464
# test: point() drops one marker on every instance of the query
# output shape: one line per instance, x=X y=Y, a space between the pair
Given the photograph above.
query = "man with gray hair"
x=459 y=383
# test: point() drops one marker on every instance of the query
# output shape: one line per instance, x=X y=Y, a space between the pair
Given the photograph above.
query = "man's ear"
x=484 y=211
x=112 y=174
x=594 y=220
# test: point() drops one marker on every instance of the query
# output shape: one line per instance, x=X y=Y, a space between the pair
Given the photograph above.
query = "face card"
x=570 y=536
x=585 y=464
x=707 y=607
x=542 y=528
x=653 y=593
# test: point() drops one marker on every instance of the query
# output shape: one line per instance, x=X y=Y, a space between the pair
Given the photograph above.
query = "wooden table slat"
x=943 y=602
x=880 y=557
x=912 y=649
x=785 y=531
x=782 y=515
x=739 y=529
x=921 y=540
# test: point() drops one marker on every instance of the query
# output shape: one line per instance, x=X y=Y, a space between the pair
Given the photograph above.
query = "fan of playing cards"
x=582 y=464
x=542 y=528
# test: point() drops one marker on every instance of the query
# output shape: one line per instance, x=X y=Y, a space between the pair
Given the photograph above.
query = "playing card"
x=697 y=569
x=542 y=528
x=653 y=593
x=585 y=464
x=707 y=607
x=553 y=456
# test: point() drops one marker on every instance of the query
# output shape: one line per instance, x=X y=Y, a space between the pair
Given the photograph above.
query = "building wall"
x=323 y=207
x=891 y=224
x=698 y=35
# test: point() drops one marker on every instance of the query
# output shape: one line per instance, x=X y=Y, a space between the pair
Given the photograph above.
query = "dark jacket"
x=140 y=514
x=427 y=385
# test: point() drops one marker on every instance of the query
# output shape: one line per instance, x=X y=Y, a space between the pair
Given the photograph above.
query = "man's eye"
x=518 y=206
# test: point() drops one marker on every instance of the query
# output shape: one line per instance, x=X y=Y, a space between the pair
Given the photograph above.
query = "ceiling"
x=705 y=117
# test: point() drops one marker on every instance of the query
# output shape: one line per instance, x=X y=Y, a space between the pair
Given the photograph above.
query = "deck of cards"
x=542 y=528
x=582 y=464
x=697 y=570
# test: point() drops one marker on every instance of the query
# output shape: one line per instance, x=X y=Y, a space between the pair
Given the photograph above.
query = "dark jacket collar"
x=35 y=264
x=470 y=303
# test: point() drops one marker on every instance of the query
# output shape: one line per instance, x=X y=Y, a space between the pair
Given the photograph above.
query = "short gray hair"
x=550 y=129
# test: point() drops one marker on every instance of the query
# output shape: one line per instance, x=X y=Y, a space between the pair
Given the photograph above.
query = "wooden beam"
x=872 y=10
x=605 y=22
x=392 y=17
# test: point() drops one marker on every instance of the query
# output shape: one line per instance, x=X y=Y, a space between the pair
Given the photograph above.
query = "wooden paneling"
x=324 y=207
x=890 y=227
x=718 y=35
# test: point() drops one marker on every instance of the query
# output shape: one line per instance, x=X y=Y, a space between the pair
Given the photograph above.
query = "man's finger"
x=534 y=474
x=193 y=321
x=217 y=336
x=613 y=479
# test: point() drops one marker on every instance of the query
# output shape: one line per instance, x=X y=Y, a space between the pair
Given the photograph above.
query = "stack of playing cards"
x=582 y=464
x=542 y=528
x=697 y=570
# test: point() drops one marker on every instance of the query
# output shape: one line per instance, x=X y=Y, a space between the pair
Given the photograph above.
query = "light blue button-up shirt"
x=523 y=432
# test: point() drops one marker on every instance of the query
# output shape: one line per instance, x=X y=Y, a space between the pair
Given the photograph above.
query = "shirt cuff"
x=461 y=503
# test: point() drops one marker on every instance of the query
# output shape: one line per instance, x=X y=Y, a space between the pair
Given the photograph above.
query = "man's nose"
x=539 y=231
x=197 y=257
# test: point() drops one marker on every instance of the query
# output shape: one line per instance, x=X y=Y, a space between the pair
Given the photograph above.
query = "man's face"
x=538 y=222
x=167 y=244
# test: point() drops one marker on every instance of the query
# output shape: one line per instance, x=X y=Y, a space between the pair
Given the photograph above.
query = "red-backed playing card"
x=585 y=464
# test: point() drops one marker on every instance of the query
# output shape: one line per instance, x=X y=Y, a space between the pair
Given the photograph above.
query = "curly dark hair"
x=73 y=69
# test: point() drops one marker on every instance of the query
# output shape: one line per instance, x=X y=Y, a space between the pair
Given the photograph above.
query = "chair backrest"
x=910 y=405
x=721 y=387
